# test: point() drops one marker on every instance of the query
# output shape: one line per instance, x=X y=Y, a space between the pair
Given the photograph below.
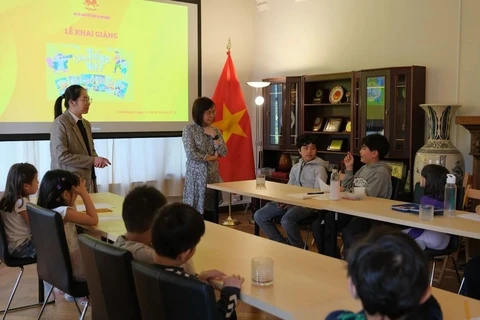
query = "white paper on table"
x=323 y=186
x=98 y=206
x=469 y=216
x=302 y=196
x=325 y=196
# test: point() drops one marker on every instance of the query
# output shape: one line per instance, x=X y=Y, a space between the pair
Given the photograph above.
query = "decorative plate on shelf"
x=336 y=95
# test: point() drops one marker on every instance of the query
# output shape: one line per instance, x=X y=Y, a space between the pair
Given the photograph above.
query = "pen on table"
x=321 y=192
x=467 y=310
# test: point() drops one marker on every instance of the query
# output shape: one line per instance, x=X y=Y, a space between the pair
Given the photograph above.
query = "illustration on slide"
x=99 y=83
x=62 y=84
x=59 y=62
x=121 y=89
x=86 y=81
x=120 y=63
x=74 y=80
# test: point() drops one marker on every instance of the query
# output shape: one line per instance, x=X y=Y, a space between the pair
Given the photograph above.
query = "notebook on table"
x=414 y=208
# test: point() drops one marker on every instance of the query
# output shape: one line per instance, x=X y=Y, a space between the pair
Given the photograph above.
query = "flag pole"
x=230 y=222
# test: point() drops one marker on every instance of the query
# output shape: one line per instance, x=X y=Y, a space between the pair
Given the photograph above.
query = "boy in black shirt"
x=389 y=273
x=176 y=231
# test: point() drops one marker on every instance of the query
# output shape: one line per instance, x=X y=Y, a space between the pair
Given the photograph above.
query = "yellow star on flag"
x=230 y=123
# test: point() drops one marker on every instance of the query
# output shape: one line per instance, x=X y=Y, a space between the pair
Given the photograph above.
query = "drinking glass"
x=262 y=271
x=426 y=212
x=260 y=180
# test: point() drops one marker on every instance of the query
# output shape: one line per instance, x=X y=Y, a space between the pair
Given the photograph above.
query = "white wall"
x=322 y=36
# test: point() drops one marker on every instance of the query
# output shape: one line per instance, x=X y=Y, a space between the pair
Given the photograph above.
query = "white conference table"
x=371 y=208
x=307 y=285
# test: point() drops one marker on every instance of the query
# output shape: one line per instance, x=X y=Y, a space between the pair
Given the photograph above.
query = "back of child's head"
x=140 y=206
x=389 y=272
x=305 y=139
x=18 y=175
x=53 y=184
x=377 y=142
x=435 y=180
x=176 y=228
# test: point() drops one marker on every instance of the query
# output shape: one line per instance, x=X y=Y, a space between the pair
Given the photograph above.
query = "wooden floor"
x=27 y=291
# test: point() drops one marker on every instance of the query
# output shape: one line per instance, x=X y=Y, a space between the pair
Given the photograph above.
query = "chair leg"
x=13 y=293
x=456 y=269
x=306 y=238
x=38 y=304
x=45 y=303
x=433 y=273
x=461 y=286
x=84 y=312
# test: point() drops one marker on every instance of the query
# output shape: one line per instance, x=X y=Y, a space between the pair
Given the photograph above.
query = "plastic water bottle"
x=450 y=199
x=335 y=185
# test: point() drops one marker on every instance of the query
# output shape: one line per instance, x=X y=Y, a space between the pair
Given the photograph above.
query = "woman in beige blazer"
x=71 y=142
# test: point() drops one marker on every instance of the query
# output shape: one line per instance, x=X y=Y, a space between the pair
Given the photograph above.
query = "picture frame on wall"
x=336 y=145
x=333 y=124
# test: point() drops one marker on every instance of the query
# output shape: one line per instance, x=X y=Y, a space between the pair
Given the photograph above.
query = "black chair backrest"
x=4 y=255
x=110 y=279
x=396 y=187
x=53 y=259
x=418 y=193
x=166 y=295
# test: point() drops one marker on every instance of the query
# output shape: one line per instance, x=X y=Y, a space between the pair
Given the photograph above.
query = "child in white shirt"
x=22 y=181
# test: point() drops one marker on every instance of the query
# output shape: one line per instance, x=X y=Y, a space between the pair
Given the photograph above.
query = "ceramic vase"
x=439 y=149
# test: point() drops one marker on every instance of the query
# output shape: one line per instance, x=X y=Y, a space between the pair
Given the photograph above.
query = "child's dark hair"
x=18 y=175
x=140 y=206
x=389 y=272
x=71 y=93
x=435 y=180
x=176 y=228
x=377 y=142
x=53 y=184
x=200 y=105
x=305 y=139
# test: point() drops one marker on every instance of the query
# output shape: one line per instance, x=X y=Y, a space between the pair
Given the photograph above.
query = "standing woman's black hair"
x=200 y=105
x=71 y=93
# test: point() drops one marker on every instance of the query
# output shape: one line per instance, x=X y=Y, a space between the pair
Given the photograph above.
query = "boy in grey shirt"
x=378 y=179
x=306 y=173
x=140 y=207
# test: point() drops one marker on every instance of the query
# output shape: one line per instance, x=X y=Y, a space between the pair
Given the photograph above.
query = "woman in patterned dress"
x=203 y=146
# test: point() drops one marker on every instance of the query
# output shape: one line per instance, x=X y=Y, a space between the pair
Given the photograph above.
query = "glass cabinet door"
x=292 y=116
x=274 y=107
x=399 y=128
x=375 y=106
x=375 y=102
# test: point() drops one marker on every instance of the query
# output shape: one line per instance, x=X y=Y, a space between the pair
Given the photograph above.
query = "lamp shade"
x=258 y=84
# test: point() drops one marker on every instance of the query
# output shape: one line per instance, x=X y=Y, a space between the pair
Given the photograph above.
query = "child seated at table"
x=305 y=173
x=139 y=209
x=389 y=273
x=176 y=232
x=378 y=178
x=433 y=179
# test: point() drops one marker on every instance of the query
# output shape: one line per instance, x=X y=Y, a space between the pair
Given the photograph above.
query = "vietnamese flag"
x=233 y=120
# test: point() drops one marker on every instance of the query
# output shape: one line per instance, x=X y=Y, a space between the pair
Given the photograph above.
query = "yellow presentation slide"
x=131 y=56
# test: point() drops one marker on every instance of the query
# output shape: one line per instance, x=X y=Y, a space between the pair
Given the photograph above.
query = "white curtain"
x=159 y=162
